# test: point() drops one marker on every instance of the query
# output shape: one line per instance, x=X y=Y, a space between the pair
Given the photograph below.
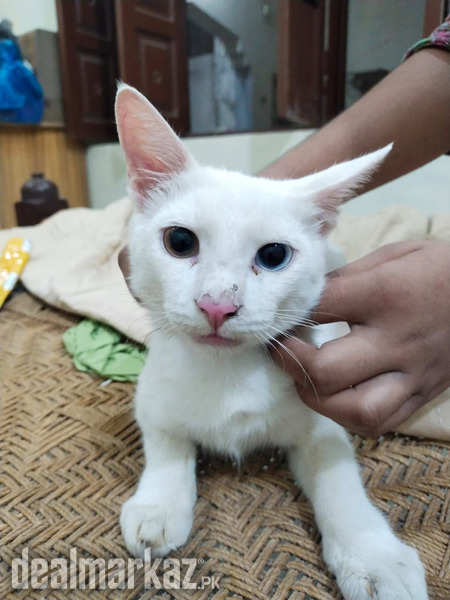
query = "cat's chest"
x=217 y=400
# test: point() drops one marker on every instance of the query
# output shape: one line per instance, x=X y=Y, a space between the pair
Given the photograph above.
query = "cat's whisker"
x=292 y=355
x=166 y=327
x=150 y=333
x=318 y=312
x=292 y=320
x=278 y=331
x=328 y=314
x=154 y=319
x=286 y=333
x=304 y=320
x=294 y=324
x=296 y=360
x=299 y=321
x=267 y=340
x=295 y=320
x=289 y=310
x=260 y=337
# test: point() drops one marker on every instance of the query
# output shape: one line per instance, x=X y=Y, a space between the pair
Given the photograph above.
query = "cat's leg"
x=369 y=561
x=160 y=513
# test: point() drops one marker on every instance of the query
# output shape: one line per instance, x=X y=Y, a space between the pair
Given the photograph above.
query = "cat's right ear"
x=153 y=151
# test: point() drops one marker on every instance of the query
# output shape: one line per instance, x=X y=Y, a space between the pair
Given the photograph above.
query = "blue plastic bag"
x=21 y=96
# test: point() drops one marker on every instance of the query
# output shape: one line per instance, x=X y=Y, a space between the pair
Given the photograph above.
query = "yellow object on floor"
x=12 y=262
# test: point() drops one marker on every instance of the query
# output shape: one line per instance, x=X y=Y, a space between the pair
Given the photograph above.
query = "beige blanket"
x=73 y=266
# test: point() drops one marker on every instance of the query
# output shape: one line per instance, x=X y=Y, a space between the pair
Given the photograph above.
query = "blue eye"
x=274 y=257
x=180 y=242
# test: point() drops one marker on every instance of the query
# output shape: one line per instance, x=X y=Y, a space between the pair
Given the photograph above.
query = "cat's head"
x=219 y=257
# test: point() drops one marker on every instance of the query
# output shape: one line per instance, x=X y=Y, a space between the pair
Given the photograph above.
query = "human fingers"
x=407 y=409
x=425 y=391
x=350 y=298
x=356 y=290
x=379 y=256
x=371 y=407
x=340 y=363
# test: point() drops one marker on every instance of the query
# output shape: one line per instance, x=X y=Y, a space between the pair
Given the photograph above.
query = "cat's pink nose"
x=217 y=312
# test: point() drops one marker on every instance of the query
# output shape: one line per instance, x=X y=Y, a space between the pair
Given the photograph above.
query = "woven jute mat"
x=71 y=454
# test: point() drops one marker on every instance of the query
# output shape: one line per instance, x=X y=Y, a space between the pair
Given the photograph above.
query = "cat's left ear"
x=330 y=187
x=153 y=151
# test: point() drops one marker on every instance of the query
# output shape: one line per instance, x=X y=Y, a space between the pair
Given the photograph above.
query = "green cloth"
x=97 y=348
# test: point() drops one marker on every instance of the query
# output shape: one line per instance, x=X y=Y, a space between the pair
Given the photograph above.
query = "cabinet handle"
x=157 y=77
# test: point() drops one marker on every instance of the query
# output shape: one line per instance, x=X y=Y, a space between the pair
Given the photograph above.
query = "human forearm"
x=411 y=107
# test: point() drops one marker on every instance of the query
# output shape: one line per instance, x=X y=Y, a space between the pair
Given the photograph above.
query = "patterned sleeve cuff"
x=440 y=38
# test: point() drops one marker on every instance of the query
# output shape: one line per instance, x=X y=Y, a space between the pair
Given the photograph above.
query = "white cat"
x=225 y=263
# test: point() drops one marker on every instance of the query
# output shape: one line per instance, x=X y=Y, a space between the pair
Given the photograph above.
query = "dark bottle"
x=40 y=199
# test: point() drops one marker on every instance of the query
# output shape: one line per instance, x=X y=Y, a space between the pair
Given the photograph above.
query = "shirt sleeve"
x=440 y=38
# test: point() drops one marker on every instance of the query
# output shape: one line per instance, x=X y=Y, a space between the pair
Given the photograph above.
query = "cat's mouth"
x=214 y=339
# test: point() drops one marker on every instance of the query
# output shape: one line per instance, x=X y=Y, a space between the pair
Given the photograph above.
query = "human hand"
x=397 y=354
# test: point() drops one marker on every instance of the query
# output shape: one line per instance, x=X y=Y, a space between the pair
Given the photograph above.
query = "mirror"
x=232 y=63
x=232 y=56
x=336 y=52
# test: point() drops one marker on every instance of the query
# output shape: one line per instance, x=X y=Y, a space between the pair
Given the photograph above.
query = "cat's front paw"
x=160 y=527
x=379 y=568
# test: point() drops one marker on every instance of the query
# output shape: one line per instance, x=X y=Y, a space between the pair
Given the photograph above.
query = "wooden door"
x=311 y=60
x=435 y=13
x=152 y=51
x=87 y=41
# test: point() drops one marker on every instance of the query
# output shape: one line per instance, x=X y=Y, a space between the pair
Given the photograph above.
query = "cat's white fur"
x=235 y=399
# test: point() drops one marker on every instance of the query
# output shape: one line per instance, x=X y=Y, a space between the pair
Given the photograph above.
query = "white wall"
x=27 y=15
x=381 y=31
x=427 y=189
x=258 y=34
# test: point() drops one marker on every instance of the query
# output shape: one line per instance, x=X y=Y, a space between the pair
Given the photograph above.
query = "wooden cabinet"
x=435 y=13
x=26 y=150
x=311 y=60
x=87 y=43
x=141 y=42
x=153 y=55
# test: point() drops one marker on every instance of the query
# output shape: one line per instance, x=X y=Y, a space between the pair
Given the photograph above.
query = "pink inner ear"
x=328 y=205
x=145 y=171
x=152 y=150
x=150 y=160
x=340 y=182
